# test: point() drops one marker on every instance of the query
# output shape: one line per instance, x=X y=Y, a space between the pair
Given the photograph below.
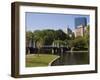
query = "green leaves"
x=58 y=37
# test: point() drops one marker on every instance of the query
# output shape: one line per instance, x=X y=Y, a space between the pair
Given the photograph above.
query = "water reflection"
x=72 y=58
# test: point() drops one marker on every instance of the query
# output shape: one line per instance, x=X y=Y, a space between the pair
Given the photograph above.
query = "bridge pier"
x=53 y=51
x=57 y=50
x=62 y=50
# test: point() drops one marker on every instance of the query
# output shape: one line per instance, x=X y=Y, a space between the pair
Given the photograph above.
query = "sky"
x=55 y=21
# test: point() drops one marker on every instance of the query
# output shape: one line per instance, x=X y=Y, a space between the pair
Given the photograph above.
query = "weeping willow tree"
x=59 y=43
x=29 y=40
x=39 y=44
x=39 y=39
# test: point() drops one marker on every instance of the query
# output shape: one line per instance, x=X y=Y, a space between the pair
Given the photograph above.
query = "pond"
x=72 y=58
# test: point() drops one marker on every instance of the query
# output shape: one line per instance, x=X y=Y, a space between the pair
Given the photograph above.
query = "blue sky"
x=40 y=21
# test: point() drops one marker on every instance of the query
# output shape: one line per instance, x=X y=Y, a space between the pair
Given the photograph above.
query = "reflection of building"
x=80 y=26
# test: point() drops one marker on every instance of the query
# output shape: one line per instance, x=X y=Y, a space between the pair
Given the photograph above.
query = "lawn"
x=33 y=60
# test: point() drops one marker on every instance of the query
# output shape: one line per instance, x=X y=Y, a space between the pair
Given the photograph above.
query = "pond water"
x=72 y=58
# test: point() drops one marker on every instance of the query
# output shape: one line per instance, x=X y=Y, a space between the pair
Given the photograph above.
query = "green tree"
x=79 y=43
x=38 y=35
x=59 y=43
x=29 y=40
x=49 y=36
x=86 y=36
x=39 y=44
x=59 y=34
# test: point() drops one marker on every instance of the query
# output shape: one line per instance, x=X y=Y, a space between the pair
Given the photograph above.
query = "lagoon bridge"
x=52 y=48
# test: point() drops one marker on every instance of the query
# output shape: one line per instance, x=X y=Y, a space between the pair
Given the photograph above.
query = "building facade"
x=68 y=31
x=80 y=26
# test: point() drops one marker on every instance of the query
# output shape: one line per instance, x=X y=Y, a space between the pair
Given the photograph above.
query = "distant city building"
x=79 y=31
x=80 y=21
x=69 y=31
x=80 y=26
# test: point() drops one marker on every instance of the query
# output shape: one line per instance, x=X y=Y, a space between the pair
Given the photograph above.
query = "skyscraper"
x=80 y=24
x=80 y=21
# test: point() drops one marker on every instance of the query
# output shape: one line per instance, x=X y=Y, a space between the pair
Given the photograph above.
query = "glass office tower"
x=80 y=21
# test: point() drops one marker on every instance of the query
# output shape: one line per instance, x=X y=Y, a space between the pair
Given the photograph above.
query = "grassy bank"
x=33 y=60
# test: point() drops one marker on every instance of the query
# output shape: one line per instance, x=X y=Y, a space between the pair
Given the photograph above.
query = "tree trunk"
x=28 y=51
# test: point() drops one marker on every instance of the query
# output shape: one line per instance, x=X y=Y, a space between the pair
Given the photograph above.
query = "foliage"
x=59 y=43
x=46 y=37
x=58 y=37
x=86 y=36
x=29 y=37
x=78 y=43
